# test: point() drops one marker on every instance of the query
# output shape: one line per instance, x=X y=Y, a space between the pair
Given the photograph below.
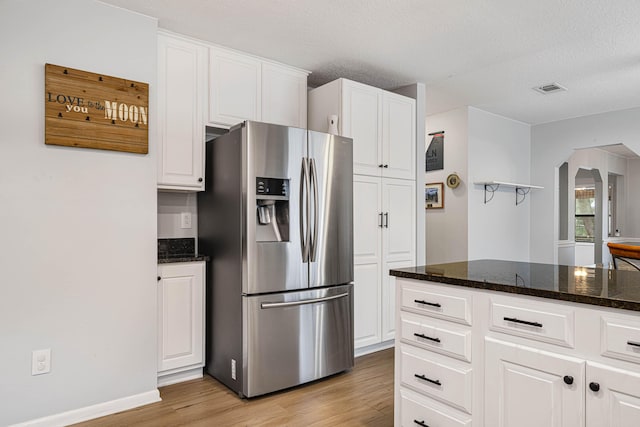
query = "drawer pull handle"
x=633 y=343
x=568 y=379
x=595 y=387
x=421 y=301
x=420 y=423
x=524 y=322
x=426 y=337
x=422 y=377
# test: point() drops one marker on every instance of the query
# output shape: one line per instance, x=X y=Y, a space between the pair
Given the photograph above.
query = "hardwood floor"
x=361 y=397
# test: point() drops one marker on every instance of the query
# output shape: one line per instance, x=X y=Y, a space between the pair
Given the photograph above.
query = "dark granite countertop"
x=184 y=258
x=178 y=250
x=595 y=286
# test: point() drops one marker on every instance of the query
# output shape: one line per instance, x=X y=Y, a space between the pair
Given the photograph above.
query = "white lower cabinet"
x=181 y=310
x=613 y=397
x=384 y=238
x=532 y=388
x=465 y=355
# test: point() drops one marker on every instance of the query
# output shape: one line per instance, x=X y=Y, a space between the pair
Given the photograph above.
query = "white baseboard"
x=179 y=377
x=373 y=348
x=94 y=411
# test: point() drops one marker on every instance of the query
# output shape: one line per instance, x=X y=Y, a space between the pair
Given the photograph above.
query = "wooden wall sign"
x=90 y=110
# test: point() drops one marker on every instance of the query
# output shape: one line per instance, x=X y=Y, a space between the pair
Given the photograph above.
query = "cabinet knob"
x=159 y=278
x=568 y=379
x=381 y=165
x=199 y=179
x=385 y=166
x=594 y=386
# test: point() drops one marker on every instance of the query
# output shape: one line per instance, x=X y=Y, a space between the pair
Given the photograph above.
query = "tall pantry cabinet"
x=383 y=127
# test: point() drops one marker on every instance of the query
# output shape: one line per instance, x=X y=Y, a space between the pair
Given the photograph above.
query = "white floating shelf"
x=521 y=189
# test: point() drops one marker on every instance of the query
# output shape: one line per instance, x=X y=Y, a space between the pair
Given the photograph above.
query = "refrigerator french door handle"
x=314 y=188
x=302 y=302
x=304 y=210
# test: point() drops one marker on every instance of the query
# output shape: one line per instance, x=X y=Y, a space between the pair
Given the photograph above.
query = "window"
x=585 y=214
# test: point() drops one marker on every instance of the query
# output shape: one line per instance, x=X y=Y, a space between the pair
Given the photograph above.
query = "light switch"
x=185 y=220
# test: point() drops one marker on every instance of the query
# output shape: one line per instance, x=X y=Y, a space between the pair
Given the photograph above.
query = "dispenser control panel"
x=272 y=187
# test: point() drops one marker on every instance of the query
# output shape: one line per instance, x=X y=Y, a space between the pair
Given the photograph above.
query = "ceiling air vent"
x=550 y=88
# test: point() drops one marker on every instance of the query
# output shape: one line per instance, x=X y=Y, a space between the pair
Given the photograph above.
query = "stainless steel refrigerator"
x=277 y=220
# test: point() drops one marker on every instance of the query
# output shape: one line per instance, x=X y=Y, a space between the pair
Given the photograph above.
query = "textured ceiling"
x=483 y=53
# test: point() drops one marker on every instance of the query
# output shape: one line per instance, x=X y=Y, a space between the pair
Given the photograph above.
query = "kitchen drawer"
x=436 y=335
x=620 y=339
x=417 y=410
x=437 y=302
x=535 y=320
x=436 y=376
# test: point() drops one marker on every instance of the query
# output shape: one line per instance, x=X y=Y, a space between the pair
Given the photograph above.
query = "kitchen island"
x=501 y=343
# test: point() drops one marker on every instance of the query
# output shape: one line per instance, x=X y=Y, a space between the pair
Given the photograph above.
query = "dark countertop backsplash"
x=178 y=250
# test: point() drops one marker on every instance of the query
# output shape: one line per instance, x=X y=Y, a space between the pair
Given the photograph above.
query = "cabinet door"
x=362 y=121
x=234 y=87
x=398 y=242
x=181 y=85
x=367 y=260
x=284 y=96
x=525 y=387
x=399 y=220
x=617 y=401
x=398 y=136
x=388 y=296
x=180 y=315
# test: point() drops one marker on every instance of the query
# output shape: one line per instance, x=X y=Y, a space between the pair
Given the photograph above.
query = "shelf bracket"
x=491 y=188
x=521 y=191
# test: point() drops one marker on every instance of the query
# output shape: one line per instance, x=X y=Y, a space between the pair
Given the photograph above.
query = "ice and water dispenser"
x=272 y=210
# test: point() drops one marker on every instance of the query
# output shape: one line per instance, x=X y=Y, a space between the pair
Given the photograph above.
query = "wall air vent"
x=550 y=88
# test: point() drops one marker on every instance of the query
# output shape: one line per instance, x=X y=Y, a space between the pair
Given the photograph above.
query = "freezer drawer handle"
x=306 y=301
x=422 y=377
x=633 y=343
x=421 y=301
x=524 y=322
x=421 y=423
x=426 y=337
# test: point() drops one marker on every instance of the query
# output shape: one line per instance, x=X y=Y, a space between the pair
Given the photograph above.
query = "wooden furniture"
x=471 y=356
x=625 y=252
x=181 y=315
x=383 y=127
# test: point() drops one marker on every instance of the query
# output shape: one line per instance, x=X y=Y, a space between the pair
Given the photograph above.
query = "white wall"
x=499 y=149
x=417 y=92
x=446 y=229
x=78 y=255
x=630 y=226
x=170 y=207
x=552 y=144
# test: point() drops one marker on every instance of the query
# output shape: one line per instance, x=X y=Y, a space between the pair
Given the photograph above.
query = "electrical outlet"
x=233 y=369
x=41 y=361
x=185 y=220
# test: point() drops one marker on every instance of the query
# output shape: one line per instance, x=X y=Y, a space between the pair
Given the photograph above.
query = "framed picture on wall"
x=434 y=195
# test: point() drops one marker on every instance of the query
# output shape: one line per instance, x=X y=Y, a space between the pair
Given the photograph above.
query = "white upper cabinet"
x=182 y=86
x=381 y=123
x=361 y=120
x=243 y=87
x=200 y=84
x=284 y=95
x=234 y=87
x=398 y=136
